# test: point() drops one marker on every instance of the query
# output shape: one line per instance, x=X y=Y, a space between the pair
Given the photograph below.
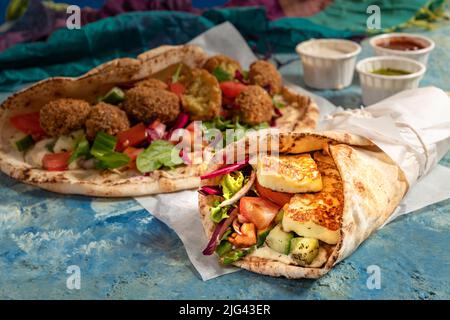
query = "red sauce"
x=402 y=44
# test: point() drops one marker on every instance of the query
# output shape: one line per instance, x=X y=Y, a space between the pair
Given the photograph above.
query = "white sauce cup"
x=328 y=63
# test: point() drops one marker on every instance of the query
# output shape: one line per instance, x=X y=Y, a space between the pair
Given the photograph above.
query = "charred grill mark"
x=327 y=209
x=359 y=186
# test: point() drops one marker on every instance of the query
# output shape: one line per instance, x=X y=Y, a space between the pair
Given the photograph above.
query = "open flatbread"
x=173 y=80
x=328 y=193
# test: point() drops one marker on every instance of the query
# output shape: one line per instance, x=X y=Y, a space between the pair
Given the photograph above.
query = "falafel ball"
x=264 y=74
x=107 y=118
x=255 y=105
x=226 y=63
x=152 y=83
x=144 y=104
x=62 y=116
x=202 y=98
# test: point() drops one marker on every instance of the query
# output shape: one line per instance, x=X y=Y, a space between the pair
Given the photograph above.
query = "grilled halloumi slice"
x=318 y=215
x=291 y=173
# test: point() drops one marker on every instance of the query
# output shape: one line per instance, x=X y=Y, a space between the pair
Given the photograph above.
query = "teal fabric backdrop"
x=350 y=15
x=73 y=52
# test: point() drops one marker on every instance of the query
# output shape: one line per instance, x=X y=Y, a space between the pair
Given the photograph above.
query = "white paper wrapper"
x=386 y=128
x=413 y=128
x=179 y=211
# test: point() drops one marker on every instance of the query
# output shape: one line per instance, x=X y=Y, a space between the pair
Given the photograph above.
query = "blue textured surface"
x=123 y=252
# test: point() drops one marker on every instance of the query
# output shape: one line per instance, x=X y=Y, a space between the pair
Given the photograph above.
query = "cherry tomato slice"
x=280 y=198
x=131 y=137
x=56 y=161
x=258 y=210
x=231 y=89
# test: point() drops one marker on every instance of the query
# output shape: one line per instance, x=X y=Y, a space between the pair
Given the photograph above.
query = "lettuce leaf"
x=160 y=153
x=222 y=124
x=231 y=183
x=219 y=213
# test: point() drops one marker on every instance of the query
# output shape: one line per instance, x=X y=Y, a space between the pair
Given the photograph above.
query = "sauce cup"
x=405 y=45
x=328 y=63
x=376 y=87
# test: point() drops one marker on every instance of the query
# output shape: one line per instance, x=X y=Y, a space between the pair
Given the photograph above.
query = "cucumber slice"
x=24 y=143
x=279 y=240
x=304 y=250
x=279 y=216
x=261 y=238
x=114 y=96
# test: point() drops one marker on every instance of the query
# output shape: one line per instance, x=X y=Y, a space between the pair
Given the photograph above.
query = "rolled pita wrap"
x=359 y=189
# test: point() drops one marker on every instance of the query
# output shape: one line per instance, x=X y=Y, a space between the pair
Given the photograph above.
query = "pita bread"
x=303 y=115
x=373 y=188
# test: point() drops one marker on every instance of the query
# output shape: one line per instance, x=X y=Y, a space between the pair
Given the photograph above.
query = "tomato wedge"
x=280 y=198
x=131 y=137
x=231 y=89
x=258 y=210
x=56 y=161
x=28 y=123
x=177 y=88
x=227 y=101
x=132 y=153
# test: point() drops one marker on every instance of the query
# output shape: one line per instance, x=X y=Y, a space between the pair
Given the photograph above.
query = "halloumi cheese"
x=289 y=173
x=318 y=215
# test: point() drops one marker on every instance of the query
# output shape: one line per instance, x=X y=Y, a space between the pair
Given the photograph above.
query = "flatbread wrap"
x=299 y=211
x=111 y=132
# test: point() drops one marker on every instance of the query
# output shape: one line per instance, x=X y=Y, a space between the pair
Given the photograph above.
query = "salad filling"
x=132 y=126
x=285 y=208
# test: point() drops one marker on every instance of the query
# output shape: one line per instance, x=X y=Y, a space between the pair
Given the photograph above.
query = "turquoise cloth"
x=351 y=15
x=276 y=36
x=74 y=52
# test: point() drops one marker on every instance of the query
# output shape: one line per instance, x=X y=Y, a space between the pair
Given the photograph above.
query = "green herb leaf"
x=232 y=256
x=221 y=74
x=103 y=144
x=224 y=247
x=278 y=101
x=114 y=96
x=221 y=124
x=231 y=183
x=218 y=213
x=262 y=237
x=103 y=150
x=262 y=125
x=50 y=146
x=24 y=143
x=176 y=75
x=226 y=234
x=112 y=160
x=279 y=105
x=160 y=153
x=81 y=149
